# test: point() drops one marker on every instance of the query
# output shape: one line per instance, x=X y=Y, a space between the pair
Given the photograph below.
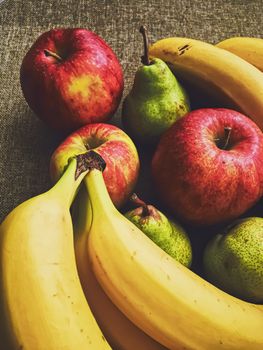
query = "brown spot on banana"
x=183 y=49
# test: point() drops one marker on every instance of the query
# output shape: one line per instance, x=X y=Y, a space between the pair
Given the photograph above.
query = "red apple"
x=71 y=77
x=208 y=167
x=115 y=147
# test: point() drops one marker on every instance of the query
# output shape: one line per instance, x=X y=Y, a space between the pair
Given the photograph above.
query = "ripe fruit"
x=42 y=303
x=71 y=77
x=119 y=331
x=231 y=80
x=166 y=233
x=161 y=296
x=208 y=167
x=233 y=259
x=114 y=145
x=155 y=102
x=250 y=49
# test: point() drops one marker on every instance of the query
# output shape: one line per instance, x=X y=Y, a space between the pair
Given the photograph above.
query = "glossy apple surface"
x=71 y=77
x=208 y=167
x=115 y=147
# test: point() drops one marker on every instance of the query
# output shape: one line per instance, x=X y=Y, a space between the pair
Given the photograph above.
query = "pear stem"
x=145 y=58
x=227 y=136
x=137 y=201
x=52 y=54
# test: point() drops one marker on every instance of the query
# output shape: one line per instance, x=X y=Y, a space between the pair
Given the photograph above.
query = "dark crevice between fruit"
x=88 y=161
x=224 y=142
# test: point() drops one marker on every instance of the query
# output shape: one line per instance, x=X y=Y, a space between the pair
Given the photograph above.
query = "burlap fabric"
x=26 y=143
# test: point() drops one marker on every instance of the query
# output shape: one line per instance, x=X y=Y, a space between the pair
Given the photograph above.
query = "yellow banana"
x=165 y=299
x=250 y=49
x=41 y=299
x=235 y=82
x=120 y=332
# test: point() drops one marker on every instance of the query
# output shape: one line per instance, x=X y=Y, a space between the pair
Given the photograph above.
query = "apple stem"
x=227 y=135
x=137 y=201
x=52 y=54
x=145 y=58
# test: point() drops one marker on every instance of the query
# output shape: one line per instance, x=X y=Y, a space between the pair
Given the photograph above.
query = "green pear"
x=233 y=260
x=167 y=234
x=155 y=101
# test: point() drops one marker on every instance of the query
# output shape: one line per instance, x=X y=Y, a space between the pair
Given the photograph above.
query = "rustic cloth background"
x=25 y=142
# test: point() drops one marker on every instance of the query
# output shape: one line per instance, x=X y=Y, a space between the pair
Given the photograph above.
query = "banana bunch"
x=232 y=80
x=250 y=49
x=41 y=300
x=121 y=333
x=162 y=297
x=50 y=297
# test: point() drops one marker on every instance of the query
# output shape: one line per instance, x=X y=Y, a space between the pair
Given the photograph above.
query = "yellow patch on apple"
x=84 y=85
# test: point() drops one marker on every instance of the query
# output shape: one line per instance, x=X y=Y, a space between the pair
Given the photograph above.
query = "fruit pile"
x=81 y=271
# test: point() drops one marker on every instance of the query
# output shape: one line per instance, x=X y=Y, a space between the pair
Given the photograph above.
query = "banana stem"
x=78 y=167
x=98 y=192
x=67 y=185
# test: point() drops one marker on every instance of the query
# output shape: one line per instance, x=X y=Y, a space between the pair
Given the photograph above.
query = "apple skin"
x=115 y=147
x=201 y=183
x=84 y=87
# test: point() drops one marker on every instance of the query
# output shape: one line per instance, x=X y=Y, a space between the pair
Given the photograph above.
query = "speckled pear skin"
x=233 y=260
x=167 y=234
x=154 y=103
